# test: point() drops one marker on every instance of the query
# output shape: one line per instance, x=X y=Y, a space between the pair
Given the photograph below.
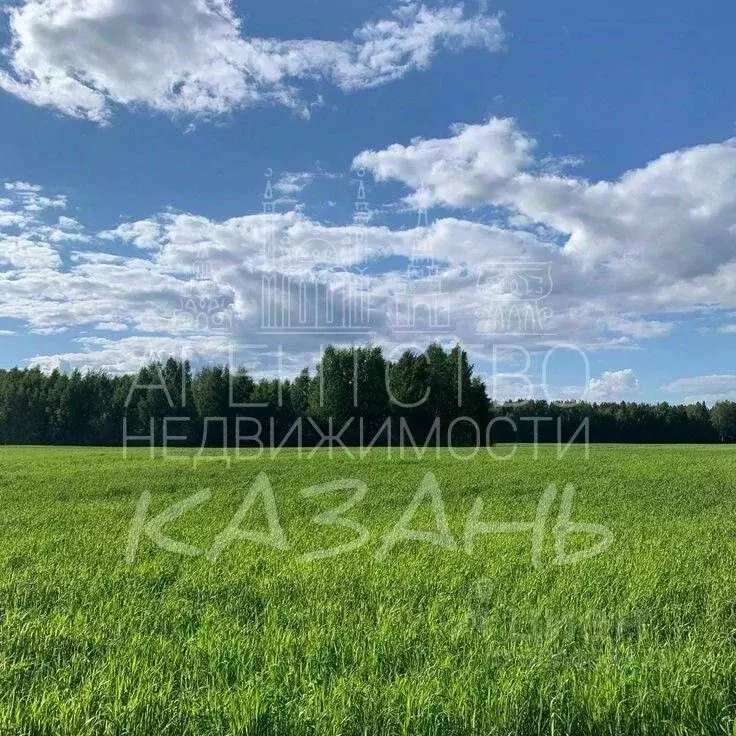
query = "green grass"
x=640 y=639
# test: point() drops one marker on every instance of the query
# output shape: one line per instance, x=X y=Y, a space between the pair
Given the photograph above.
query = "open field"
x=383 y=638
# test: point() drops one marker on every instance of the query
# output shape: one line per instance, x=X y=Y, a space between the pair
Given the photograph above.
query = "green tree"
x=723 y=416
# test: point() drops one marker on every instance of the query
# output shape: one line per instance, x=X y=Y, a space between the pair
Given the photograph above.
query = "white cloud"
x=26 y=241
x=28 y=197
x=640 y=329
x=128 y=354
x=387 y=49
x=665 y=231
x=171 y=260
x=703 y=388
x=613 y=386
x=12 y=219
x=291 y=183
x=144 y=234
x=83 y=57
x=472 y=167
x=112 y=327
x=513 y=387
x=69 y=223
x=19 y=253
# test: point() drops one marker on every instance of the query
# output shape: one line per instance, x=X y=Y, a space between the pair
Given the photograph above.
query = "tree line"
x=358 y=393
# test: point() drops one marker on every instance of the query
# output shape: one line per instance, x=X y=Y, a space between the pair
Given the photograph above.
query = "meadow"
x=318 y=612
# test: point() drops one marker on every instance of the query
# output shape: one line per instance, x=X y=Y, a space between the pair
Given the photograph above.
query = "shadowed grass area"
x=429 y=640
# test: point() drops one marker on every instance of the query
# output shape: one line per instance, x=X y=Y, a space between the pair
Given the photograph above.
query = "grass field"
x=411 y=638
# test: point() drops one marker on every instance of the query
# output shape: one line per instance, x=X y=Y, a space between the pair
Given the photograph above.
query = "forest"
x=354 y=393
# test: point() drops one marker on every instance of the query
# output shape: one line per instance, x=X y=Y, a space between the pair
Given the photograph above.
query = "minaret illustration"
x=305 y=286
x=422 y=305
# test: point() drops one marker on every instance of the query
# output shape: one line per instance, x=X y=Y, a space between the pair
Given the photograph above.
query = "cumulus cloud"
x=613 y=386
x=474 y=166
x=28 y=197
x=704 y=388
x=608 y=285
x=192 y=57
x=27 y=241
x=513 y=387
x=112 y=327
x=69 y=223
x=290 y=183
x=667 y=228
x=21 y=253
x=144 y=234
x=128 y=354
x=640 y=329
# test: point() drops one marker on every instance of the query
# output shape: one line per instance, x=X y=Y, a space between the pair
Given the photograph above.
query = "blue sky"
x=597 y=141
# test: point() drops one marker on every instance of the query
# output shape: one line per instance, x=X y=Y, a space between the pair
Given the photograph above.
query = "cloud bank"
x=192 y=57
x=616 y=264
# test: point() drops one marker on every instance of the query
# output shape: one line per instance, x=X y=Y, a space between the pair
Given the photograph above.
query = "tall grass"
x=637 y=640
